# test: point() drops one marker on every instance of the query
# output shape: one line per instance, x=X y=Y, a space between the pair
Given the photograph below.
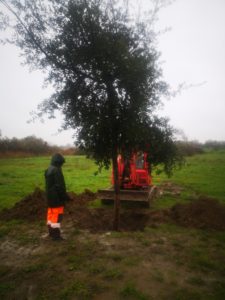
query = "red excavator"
x=134 y=179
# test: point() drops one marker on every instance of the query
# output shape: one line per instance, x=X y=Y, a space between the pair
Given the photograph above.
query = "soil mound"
x=33 y=207
x=30 y=208
x=204 y=213
x=170 y=188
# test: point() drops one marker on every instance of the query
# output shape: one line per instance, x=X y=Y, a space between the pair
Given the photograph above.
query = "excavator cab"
x=133 y=171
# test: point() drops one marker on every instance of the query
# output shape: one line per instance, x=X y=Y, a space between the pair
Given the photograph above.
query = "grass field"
x=20 y=176
x=162 y=262
x=204 y=174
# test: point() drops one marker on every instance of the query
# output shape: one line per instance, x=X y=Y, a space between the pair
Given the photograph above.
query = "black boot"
x=55 y=234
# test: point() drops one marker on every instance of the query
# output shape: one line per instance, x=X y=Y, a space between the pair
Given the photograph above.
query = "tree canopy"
x=105 y=70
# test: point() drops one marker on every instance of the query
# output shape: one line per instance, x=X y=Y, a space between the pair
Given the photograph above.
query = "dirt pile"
x=33 y=207
x=30 y=208
x=170 y=188
x=204 y=213
x=81 y=199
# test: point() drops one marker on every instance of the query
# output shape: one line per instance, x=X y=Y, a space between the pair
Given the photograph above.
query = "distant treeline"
x=189 y=148
x=29 y=145
x=32 y=145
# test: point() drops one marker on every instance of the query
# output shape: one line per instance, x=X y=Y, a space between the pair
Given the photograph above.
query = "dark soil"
x=31 y=208
x=203 y=213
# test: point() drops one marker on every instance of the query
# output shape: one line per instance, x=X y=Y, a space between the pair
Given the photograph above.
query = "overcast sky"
x=193 y=51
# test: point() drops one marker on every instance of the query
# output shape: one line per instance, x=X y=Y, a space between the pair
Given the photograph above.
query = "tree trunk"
x=117 y=190
x=112 y=98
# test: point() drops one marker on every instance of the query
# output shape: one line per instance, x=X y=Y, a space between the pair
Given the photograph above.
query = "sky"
x=192 y=52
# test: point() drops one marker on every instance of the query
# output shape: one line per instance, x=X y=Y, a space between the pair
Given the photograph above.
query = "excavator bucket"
x=145 y=196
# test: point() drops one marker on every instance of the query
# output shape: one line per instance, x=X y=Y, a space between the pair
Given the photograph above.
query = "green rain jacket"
x=55 y=183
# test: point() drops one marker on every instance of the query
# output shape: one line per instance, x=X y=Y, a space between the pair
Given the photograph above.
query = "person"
x=56 y=195
x=140 y=160
x=126 y=170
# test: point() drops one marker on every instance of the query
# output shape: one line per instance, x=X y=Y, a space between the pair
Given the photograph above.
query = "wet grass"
x=204 y=174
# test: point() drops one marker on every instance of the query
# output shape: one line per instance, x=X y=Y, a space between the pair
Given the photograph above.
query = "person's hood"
x=57 y=160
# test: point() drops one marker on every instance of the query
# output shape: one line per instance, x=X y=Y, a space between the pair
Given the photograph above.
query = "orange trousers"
x=54 y=216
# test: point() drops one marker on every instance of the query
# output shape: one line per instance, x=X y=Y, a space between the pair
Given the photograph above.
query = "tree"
x=105 y=71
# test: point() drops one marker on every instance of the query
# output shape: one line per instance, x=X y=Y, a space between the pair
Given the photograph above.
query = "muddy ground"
x=149 y=259
x=203 y=213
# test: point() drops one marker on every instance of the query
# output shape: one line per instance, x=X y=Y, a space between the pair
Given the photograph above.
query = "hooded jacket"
x=55 y=183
